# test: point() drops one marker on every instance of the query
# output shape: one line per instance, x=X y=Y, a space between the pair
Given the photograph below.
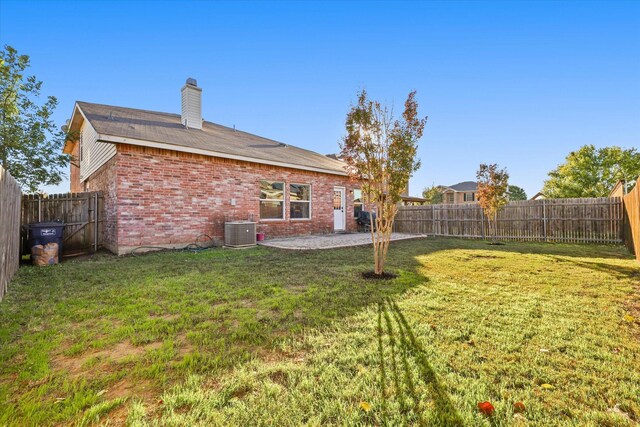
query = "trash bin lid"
x=46 y=224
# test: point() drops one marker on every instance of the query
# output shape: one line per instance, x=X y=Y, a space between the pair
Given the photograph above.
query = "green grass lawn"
x=270 y=337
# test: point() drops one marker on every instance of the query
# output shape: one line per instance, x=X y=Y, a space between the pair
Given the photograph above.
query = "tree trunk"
x=382 y=237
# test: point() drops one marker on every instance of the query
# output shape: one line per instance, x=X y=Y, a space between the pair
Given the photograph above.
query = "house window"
x=449 y=197
x=358 y=204
x=271 y=200
x=469 y=197
x=299 y=201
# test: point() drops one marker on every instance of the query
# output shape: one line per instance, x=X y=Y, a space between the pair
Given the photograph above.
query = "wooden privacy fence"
x=593 y=220
x=81 y=212
x=9 y=229
x=632 y=220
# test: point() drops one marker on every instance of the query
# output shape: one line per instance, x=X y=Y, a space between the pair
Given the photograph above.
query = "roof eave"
x=166 y=146
x=69 y=144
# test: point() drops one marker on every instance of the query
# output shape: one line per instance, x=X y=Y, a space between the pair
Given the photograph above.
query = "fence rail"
x=81 y=212
x=632 y=220
x=10 y=195
x=585 y=220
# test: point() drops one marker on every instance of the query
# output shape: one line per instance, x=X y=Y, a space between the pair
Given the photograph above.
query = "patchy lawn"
x=269 y=337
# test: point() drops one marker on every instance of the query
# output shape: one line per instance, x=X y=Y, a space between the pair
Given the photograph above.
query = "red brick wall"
x=105 y=180
x=170 y=198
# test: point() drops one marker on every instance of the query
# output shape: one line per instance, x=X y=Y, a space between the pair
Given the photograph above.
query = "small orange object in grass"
x=365 y=406
x=486 y=408
x=518 y=407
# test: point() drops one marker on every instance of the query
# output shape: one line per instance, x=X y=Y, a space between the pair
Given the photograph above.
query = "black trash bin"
x=41 y=233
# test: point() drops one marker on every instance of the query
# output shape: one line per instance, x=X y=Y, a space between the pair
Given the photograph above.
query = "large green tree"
x=380 y=153
x=592 y=172
x=517 y=193
x=433 y=194
x=30 y=143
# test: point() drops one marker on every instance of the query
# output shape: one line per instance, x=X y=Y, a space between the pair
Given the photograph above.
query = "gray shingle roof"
x=167 y=128
x=464 y=186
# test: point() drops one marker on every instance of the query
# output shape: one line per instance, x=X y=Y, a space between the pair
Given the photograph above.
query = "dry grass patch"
x=86 y=362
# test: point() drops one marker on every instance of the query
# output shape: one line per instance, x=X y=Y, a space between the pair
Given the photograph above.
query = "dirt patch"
x=212 y=384
x=118 y=415
x=78 y=364
x=370 y=275
x=138 y=388
x=184 y=345
x=241 y=391
x=167 y=317
x=279 y=377
x=133 y=389
x=245 y=303
x=125 y=349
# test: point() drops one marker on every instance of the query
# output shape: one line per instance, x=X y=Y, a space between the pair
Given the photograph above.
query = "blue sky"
x=517 y=83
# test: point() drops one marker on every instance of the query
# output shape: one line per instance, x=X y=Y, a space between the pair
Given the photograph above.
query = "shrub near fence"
x=632 y=220
x=594 y=220
x=10 y=196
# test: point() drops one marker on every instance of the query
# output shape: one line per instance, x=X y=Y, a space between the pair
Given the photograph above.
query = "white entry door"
x=339 y=217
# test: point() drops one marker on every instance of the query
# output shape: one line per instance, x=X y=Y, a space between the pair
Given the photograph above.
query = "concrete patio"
x=330 y=241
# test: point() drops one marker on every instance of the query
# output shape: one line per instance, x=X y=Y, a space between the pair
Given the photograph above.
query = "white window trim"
x=284 y=201
x=301 y=201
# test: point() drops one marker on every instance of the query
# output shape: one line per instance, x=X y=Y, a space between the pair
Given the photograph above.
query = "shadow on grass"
x=618 y=271
x=405 y=352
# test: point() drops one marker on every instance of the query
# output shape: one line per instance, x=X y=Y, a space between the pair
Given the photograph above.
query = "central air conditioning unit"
x=239 y=233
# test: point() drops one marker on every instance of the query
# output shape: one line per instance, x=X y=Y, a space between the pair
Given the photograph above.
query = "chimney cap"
x=192 y=82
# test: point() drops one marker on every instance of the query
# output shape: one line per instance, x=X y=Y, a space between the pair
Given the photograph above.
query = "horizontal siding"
x=94 y=153
x=192 y=107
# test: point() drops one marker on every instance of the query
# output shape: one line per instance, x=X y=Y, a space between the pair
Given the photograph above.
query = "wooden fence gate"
x=82 y=214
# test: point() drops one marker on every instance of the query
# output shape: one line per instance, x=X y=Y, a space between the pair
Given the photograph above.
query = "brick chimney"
x=192 y=104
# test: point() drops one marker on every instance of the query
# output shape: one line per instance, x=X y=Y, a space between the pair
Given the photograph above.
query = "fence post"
x=39 y=208
x=433 y=220
x=482 y=223
x=544 y=220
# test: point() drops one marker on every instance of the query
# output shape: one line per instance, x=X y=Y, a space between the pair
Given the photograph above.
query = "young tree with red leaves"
x=380 y=152
x=492 y=193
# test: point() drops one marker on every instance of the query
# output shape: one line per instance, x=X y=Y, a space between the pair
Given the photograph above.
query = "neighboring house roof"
x=538 y=196
x=164 y=130
x=462 y=186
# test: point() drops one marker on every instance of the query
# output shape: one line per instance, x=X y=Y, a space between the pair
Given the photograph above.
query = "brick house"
x=169 y=178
